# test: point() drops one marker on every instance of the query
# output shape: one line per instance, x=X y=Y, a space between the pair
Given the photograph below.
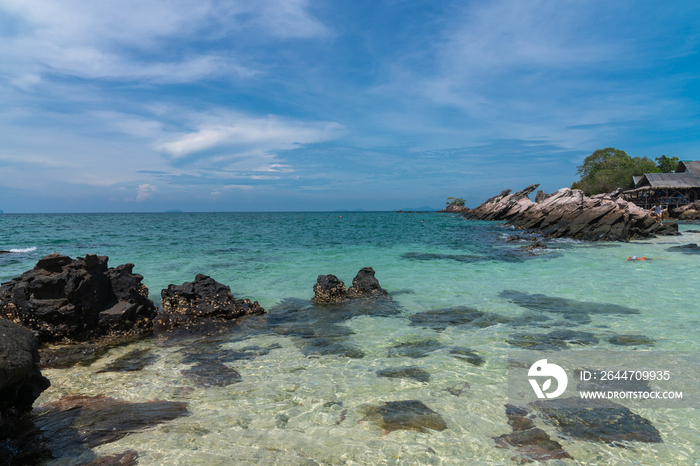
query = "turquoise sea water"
x=297 y=406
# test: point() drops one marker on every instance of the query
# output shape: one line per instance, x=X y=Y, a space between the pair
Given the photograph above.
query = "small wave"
x=23 y=250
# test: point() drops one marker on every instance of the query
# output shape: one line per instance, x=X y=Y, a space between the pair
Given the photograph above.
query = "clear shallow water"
x=426 y=261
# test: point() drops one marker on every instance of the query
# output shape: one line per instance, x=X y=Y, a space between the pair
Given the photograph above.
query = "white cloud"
x=248 y=137
x=144 y=191
x=137 y=40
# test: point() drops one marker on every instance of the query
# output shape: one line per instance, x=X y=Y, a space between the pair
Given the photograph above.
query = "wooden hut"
x=670 y=189
x=689 y=167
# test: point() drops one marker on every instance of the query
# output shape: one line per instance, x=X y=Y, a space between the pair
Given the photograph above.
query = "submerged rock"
x=83 y=354
x=404 y=415
x=425 y=256
x=440 y=319
x=68 y=300
x=69 y=427
x=556 y=340
x=132 y=361
x=579 y=311
x=202 y=298
x=631 y=340
x=415 y=349
x=467 y=355
x=406 y=372
x=569 y=213
x=212 y=374
x=599 y=421
x=532 y=442
x=21 y=381
x=421 y=348
x=691 y=248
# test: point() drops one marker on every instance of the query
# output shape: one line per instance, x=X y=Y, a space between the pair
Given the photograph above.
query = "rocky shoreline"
x=65 y=312
x=568 y=213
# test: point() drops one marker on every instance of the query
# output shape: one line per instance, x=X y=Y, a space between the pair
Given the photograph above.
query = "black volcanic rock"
x=569 y=213
x=328 y=289
x=21 y=381
x=202 y=298
x=69 y=300
x=365 y=285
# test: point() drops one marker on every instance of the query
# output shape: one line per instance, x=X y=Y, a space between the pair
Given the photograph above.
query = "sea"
x=311 y=386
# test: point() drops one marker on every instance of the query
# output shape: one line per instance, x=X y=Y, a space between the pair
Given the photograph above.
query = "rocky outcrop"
x=689 y=214
x=329 y=289
x=69 y=300
x=455 y=209
x=21 y=381
x=690 y=209
x=365 y=285
x=202 y=298
x=569 y=213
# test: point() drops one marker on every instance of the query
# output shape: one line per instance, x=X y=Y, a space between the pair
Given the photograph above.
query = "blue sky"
x=209 y=105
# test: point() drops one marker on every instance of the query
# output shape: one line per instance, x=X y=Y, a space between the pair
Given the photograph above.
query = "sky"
x=303 y=105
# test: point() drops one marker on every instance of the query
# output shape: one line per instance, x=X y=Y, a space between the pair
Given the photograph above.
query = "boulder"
x=689 y=214
x=204 y=297
x=21 y=381
x=679 y=210
x=569 y=213
x=365 y=285
x=70 y=300
x=329 y=289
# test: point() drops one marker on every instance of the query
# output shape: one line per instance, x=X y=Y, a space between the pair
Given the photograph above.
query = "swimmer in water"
x=635 y=258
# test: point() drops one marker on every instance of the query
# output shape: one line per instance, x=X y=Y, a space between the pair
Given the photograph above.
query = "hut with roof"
x=670 y=189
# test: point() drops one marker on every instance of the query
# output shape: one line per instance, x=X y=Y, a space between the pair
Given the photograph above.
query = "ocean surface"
x=304 y=401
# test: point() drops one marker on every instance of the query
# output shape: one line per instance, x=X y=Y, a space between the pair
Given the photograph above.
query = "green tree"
x=667 y=164
x=607 y=169
x=455 y=201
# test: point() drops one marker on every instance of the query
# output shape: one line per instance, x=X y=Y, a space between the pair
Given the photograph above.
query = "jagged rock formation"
x=365 y=285
x=455 y=209
x=21 y=381
x=204 y=297
x=541 y=196
x=69 y=300
x=569 y=213
x=329 y=289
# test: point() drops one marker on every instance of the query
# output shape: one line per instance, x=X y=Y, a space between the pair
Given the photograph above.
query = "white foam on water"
x=24 y=250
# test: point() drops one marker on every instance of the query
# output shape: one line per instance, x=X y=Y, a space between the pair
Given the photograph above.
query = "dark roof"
x=689 y=166
x=668 y=181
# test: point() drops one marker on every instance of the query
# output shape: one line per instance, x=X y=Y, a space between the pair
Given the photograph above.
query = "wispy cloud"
x=138 y=40
x=240 y=137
